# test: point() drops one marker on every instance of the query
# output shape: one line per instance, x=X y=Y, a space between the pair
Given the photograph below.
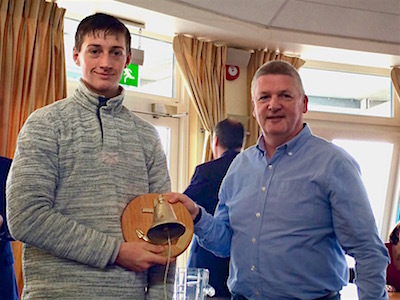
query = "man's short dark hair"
x=394 y=235
x=230 y=133
x=100 y=22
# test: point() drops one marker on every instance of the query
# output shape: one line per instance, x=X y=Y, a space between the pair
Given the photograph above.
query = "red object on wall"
x=232 y=72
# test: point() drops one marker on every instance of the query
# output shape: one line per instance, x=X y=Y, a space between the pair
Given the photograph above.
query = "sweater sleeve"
x=31 y=192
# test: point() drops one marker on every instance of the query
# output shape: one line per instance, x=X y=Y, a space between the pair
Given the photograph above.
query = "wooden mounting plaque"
x=138 y=214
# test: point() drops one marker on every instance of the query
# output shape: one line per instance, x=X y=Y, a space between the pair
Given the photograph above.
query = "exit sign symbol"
x=130 y=75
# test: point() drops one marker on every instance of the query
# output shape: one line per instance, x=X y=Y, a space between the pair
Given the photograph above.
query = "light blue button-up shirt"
x=288 y=221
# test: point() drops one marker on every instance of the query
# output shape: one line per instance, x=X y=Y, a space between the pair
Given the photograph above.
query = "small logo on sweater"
x=109 y=158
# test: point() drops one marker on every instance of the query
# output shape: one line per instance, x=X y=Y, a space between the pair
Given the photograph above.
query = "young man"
x=295 y=204
x=78 y=164
x=203 y=189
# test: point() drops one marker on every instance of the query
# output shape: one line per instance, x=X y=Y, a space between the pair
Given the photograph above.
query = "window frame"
x=352 y=118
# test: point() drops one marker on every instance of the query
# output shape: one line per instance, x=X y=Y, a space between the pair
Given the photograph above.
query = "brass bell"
x=165 y=224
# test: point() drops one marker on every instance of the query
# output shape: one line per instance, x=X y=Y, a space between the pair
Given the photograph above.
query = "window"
x=375 y=148
x=168 y=130
x=156 y=76
x=348 y=91
x=374 y=172
x=73 y=71
x=370 y=133
x=165 y=136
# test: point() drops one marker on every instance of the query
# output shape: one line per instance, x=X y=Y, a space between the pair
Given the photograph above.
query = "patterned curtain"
x=202 y=65
x=32 y=63
x=395 y=75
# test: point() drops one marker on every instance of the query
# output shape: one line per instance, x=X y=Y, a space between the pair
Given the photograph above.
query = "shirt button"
x=270 y=167
x=290 y=153
x=253 y=240
x=263 y=188
x=253 y=268
x=258 y=215
x=257 y=293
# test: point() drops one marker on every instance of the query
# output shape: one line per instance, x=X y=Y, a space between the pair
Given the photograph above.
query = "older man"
x=291 y=207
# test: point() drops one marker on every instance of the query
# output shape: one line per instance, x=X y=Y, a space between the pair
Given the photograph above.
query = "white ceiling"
x=360 y=32
x=375 y=20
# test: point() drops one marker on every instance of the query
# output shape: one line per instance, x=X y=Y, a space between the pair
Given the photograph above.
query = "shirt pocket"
x=292 y=201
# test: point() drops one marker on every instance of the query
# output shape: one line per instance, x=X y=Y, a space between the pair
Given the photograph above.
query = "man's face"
x=278 y=106
x=102 y=59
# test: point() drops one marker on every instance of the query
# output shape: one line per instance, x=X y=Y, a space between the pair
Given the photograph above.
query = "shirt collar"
x=90 y=100
x=291 y=146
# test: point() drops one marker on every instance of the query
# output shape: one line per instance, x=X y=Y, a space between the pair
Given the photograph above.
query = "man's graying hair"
x=277 y=67
x=101 y=22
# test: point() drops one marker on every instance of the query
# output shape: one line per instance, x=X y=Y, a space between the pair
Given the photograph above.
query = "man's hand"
x=1 y=220
x=190 y=205
x=140 y=256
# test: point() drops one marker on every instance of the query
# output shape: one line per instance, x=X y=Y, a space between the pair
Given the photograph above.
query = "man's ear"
x=75 y=56
x=216 y=141
x=128 y=59
x=305 y=104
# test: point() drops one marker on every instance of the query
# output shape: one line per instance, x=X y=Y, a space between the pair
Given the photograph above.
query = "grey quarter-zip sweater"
x=78 y=163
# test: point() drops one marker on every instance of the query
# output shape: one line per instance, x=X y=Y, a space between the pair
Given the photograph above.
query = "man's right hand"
x=140 y=256
x=190 y=205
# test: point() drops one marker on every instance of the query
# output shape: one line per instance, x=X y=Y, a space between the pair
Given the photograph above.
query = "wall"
x=236 y=94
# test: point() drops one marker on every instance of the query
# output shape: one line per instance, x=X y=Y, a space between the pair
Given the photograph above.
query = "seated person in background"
x=203 y=189
x=393 y=269
x=8 y=284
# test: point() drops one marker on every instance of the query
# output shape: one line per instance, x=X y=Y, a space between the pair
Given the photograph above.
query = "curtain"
x=257 y=59
x=395 y=75
x=32 y=72
x=32 y=63
x=202 y=65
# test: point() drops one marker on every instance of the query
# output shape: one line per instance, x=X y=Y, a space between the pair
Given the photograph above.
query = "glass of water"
x=192 y=284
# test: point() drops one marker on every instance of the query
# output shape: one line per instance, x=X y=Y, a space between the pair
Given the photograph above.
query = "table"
x=349 y=292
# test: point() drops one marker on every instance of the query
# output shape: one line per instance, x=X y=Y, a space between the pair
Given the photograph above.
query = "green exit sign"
x=130 y=75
